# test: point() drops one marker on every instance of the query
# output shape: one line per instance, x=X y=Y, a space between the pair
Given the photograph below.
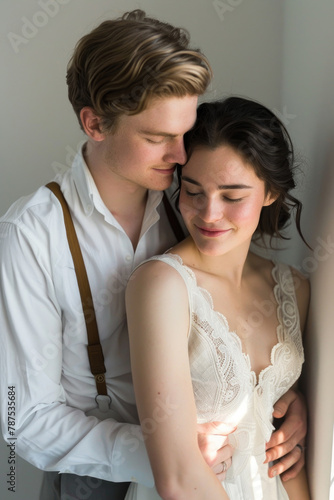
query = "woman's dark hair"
x=262 y=140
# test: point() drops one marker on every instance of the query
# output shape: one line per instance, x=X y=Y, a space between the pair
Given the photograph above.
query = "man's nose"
x=177 y=152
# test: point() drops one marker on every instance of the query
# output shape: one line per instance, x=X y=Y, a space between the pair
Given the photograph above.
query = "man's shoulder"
x=37 y=218
x=34 y=223
x=38 y=205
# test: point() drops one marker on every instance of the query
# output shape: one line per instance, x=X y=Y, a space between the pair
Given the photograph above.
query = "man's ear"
x=91 y=124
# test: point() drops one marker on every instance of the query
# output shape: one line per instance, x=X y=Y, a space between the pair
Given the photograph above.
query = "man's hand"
x=214 y=446
x=282 y=445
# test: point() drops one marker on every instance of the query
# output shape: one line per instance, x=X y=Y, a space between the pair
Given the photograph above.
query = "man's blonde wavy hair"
x=124 y=63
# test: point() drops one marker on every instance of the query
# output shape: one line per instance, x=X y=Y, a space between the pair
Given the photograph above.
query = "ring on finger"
x=302 y=448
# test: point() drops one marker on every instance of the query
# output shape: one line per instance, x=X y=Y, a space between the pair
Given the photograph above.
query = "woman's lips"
x=211 y=232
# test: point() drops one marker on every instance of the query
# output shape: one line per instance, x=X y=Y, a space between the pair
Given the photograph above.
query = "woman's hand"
x=214 y=445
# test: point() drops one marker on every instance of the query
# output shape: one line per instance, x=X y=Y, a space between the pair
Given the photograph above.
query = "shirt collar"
x=84 y=182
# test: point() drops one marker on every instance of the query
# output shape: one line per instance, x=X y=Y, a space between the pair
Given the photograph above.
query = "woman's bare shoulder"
x=155 y=276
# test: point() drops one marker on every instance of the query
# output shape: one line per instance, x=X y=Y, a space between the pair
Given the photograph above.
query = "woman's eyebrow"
x=222 y=186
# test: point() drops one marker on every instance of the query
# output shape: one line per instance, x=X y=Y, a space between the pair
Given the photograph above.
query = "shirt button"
x=128 y=258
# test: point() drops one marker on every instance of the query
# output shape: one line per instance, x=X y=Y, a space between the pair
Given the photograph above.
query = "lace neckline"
x=256 y=378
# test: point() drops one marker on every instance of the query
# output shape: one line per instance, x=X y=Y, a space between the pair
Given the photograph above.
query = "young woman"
x=216 y=330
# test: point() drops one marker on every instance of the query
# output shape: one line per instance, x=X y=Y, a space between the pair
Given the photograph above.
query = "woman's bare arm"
x=158 y=321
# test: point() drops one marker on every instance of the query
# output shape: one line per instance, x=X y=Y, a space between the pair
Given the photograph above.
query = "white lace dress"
x=227 y=390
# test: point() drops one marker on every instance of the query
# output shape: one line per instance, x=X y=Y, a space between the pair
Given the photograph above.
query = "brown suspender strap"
x=95 y=353
x=173 y=220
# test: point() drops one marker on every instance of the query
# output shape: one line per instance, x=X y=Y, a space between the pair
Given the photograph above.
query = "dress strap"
x=285 y=295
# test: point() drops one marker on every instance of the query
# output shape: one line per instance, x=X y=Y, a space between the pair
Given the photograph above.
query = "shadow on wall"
x=319 y=341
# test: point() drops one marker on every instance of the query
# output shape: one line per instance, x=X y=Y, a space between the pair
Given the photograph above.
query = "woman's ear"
x=270 y=198
x=91 y=124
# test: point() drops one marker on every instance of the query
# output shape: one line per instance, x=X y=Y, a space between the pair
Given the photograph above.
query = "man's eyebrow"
x=157 y=133
x=222 y=186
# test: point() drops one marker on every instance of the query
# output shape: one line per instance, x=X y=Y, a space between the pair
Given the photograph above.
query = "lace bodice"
x=225 y=387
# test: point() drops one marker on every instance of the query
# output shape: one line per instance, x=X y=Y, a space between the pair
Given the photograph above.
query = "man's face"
x=145 y=147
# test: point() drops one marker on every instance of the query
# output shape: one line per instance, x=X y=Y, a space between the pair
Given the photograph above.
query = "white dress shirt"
x=43 y=334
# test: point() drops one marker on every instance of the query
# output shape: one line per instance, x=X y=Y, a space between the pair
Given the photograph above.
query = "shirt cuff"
x=130 y=461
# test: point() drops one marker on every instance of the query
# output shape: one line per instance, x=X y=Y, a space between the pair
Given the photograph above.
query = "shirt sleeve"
x=49 y=434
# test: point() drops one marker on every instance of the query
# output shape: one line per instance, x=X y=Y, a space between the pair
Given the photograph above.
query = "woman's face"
x=221 y=199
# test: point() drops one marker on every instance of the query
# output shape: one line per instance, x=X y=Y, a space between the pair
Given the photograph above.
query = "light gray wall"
x=308 y=95
x=40 y=131
x=275 y=51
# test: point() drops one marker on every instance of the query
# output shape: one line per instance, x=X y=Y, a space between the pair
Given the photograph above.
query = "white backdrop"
x=278 y=52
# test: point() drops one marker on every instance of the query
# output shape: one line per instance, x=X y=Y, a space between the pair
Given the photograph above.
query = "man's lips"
x=167 y=171
x=212 y=232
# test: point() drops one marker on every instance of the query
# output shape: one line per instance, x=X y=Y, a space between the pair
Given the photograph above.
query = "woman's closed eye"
x=190 y=193
x=232 y=200
x=224 y=197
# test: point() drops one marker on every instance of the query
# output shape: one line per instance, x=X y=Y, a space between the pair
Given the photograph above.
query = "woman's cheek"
x=246 y=212
x=186 y=212
x=190 y=207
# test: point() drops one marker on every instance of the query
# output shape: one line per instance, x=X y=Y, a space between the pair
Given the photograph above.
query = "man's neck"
x=124 y=199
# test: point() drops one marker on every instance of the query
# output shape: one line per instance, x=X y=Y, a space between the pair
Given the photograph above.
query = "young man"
x=134 y=84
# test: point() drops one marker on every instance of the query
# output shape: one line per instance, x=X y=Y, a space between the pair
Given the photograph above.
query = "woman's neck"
x=231 y=266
